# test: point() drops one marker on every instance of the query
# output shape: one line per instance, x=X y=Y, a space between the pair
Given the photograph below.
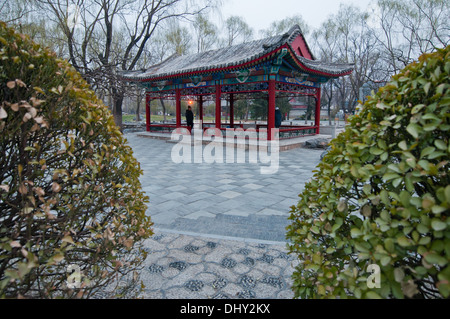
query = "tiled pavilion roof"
x=239 y=57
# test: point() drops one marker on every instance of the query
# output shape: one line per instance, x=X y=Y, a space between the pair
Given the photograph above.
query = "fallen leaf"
x=21 y=83
x=36 y=102
x=39 y=191
x=32 y=111
x=27 y=117
x=56 y=187
x=3 y=113
x=68 y=239
x=23 y=189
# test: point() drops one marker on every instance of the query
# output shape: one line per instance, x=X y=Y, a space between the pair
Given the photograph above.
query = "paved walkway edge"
x=220 y=237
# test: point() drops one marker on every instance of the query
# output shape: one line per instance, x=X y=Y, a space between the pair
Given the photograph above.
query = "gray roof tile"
x=233 y=56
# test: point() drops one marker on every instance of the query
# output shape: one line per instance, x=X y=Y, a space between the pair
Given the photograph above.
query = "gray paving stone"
x=230 y=194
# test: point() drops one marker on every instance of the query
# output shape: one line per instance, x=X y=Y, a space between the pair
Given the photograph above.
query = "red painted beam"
x=147 y=111
x=200 y=110
x=178 y=107
x=317 y=115
x=271 y=109
x=218 y=107
x=232 y=110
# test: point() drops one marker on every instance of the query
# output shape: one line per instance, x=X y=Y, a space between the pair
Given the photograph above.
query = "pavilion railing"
x=285 y=132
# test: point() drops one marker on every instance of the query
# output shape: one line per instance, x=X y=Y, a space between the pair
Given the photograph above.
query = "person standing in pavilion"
x=278 y=117
x=189 y=118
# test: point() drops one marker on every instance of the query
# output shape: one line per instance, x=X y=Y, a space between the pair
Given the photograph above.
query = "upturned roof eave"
x=274 y=45
x=301 y=63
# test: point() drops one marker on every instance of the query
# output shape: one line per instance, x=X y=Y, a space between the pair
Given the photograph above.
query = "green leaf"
x=389 y=176
x=436 y=209
x=424 y=241
x=417 y=108
x=403 y=241
x=355 y=232
x=421 y=228
x=438 y=224
x=362 y=246
x=389 y=244
x=367 y=189
x=399 y=274
x=426 y=88
x=447 y=194
x=431 y=117
x=384 y=195
x=414 y=129
x=435 y=155
x=435 y=259
x=424 y=164
x=403 y=145
x=440 y=145
x=376 y=151
x=385 y=260
x=372 y=295
x=396 y=182
x=427 y=151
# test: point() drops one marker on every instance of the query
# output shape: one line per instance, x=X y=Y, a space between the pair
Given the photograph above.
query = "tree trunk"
x=329 y=103
x=138 y=107
x=118 y=100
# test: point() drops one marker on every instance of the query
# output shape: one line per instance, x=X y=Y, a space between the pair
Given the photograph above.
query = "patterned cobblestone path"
x=197 y=267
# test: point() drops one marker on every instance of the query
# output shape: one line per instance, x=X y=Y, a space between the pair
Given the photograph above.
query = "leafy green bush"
x=382 y=196
x=70 y=196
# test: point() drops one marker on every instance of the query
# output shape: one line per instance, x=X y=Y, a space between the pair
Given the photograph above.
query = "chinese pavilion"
x=274 y=67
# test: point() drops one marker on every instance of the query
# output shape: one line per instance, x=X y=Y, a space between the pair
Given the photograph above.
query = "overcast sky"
x=259 y=14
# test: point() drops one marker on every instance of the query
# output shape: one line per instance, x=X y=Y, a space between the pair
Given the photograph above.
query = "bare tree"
x=408 y=28
x=346 y=37
x=112 y=35
x=206 y=33
x=13 y=12
x=282 y=26
x=237 y=30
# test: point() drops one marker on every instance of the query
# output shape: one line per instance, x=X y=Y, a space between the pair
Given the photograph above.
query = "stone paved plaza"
x=219 y=228
x=226 y=199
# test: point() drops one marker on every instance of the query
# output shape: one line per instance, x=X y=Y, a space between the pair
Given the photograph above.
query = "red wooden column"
x=317 y=114
x=147 y=111
x=271 y=108
x=178 y=107
x=232 y=110
x=218 y=107
x=200 y=110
